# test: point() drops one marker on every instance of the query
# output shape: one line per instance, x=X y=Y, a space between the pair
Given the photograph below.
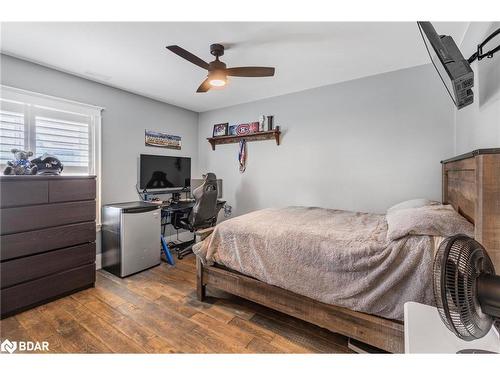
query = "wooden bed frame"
x=471 y=183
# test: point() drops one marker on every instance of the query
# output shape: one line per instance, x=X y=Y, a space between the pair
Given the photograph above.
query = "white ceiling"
x=132 y=55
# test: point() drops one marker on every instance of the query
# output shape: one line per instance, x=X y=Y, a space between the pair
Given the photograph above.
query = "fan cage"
x=457 y=265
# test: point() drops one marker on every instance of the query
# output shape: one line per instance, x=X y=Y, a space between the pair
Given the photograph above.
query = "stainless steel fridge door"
x=140 y=241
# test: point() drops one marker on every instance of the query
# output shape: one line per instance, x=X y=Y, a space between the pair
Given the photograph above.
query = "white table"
x=426 y=333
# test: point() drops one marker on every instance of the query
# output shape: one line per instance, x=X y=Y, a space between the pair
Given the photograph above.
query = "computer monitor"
x=164 y=173
x=453 y=69
x=196 y=182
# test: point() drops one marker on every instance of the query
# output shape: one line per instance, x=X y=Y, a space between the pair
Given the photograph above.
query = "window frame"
x=30 y=99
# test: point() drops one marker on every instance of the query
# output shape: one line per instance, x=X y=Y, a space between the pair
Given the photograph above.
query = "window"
x=45 y=124
x=49 y=125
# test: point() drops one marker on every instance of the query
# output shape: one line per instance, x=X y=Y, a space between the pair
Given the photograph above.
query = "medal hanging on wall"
x=242 y=155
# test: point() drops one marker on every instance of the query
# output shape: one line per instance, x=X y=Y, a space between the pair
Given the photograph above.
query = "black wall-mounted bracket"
x=479 y=55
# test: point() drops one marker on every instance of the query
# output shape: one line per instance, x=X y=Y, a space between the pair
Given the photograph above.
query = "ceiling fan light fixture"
x=217 y=82
x=217 y=79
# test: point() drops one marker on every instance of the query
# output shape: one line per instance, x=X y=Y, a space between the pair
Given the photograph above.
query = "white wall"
x=478 y=125
x=359 y=145
x=123 y=122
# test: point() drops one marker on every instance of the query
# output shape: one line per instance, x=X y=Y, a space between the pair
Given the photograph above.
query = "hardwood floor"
x=156 y=311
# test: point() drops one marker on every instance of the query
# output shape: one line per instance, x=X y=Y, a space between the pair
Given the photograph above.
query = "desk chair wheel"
x=184 y=249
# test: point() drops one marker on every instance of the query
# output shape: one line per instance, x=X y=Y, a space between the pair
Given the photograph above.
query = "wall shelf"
x=259 y=136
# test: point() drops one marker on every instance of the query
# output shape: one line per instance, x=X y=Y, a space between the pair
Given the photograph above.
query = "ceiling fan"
x=217 y=70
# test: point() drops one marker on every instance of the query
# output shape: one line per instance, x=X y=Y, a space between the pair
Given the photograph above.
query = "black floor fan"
x=466 y=288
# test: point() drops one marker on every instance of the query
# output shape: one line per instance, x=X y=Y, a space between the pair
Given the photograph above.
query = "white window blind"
x=68 y=140
x=12 y=133
x=68 y=136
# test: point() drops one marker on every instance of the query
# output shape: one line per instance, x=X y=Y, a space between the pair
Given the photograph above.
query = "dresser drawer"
x=21 y=219
x=39 y=241
x=33 y=267
x=32 y=293
x=72 y=190
x=21 y=192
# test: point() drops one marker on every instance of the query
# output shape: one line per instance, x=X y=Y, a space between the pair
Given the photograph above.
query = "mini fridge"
x=130 y=237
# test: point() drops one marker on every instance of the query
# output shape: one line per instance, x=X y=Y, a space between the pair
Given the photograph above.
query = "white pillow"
x=412 y=203
x=435 y=220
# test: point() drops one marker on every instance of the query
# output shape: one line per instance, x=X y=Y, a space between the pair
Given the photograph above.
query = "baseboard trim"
x=98 y=261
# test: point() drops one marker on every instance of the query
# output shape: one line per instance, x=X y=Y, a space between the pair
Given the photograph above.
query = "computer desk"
x=184 y=207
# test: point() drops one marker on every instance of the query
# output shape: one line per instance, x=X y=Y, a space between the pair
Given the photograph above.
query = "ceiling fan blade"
x=204 y=87
x=250 y=71
x=188 y=56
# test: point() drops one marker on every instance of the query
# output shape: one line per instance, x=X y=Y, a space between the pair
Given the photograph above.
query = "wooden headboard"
x=471 y=183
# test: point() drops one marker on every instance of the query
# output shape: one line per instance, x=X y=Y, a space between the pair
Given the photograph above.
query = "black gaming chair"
x=204 y=212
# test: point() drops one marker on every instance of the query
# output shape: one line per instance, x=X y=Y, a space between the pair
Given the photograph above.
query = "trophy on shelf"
x=270 y=122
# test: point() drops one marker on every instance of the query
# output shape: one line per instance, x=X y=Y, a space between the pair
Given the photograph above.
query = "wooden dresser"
x=47 y=239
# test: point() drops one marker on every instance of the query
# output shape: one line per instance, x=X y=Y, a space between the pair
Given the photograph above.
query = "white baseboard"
x=98 y=262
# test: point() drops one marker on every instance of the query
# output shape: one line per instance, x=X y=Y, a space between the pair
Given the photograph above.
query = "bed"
x=368 y=306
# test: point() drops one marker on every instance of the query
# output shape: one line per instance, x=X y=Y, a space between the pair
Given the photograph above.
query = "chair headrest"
x=210 y=177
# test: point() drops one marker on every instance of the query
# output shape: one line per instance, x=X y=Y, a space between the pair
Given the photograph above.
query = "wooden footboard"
x=379 y=332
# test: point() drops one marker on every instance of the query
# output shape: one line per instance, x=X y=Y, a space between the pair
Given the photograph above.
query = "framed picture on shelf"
x=232 y=130
x=254 y=127
x=220 y=130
